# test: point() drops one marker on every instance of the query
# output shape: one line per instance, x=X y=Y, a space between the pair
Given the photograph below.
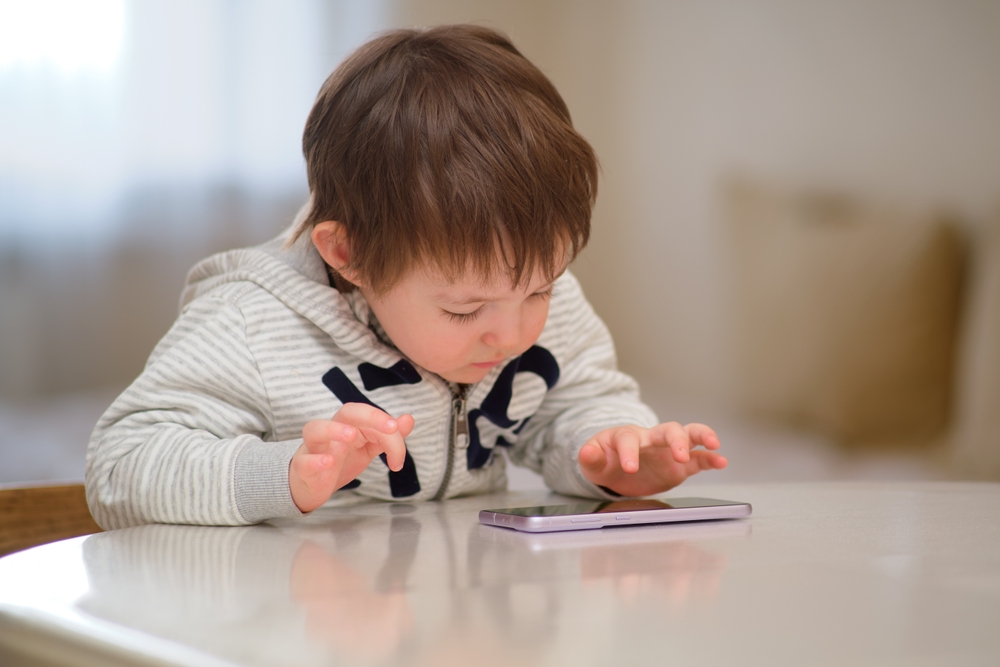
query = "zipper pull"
x=460 y=425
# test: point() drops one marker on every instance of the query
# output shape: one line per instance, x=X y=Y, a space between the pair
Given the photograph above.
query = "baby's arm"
x=190 y=440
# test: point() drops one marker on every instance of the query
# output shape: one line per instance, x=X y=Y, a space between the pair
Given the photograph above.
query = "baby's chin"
x=465 y=375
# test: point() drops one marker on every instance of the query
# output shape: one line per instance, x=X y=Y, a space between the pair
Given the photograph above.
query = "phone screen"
x=614 y=506
x=585 y=515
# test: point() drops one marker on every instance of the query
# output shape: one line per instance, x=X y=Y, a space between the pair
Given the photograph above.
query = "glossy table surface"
x=821 y=574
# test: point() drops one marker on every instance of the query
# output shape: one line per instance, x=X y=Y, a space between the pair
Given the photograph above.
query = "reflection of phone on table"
x=601 y=514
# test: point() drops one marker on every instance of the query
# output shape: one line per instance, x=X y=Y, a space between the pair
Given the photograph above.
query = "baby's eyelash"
x=463 y=317
x=468 y=317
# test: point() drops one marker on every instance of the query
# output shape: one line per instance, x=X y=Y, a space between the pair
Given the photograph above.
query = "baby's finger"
x=395 y=450
x=393 y=444
x=311 y=467
x=319 y=433
x=592 y=458
x=702 y=435
x=626 y=443
x=677 y=439
x=364 y=416
x=388 y=445
x=704 y=460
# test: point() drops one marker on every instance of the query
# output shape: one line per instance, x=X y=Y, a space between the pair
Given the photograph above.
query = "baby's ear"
x=330 y=239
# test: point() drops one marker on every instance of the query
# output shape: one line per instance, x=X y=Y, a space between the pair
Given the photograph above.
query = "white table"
x=821 y=574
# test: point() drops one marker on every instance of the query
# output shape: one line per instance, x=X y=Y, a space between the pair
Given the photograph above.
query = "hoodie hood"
x=296 y=276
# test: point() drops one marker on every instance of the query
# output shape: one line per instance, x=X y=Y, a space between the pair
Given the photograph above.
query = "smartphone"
x=608 y=513
x=642 y=535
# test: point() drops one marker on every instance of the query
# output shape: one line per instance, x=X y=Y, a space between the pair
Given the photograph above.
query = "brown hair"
x=447 y=145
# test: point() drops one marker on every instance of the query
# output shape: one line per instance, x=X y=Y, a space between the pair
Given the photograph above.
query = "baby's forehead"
x=478 y=284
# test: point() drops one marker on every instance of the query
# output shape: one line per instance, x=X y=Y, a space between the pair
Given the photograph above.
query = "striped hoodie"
x=264 y=344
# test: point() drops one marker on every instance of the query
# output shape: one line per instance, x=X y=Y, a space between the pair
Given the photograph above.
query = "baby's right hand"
x=334 y=452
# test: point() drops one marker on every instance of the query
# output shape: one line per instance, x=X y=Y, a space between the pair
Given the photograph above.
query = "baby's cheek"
x=445 y=350
x=535 y=323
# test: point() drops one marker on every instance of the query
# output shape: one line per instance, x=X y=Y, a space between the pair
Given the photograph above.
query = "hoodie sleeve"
x=188 y=441
x=591 y=395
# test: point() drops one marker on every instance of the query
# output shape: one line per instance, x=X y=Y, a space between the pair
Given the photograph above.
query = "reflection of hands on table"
x=636 y=461
x=336 y=451
x=678 y=571
x=341 y=609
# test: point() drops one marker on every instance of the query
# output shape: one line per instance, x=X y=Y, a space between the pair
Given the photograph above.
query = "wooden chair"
x=33 y=515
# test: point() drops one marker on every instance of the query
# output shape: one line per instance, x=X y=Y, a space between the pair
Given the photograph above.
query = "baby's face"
x=461 y=329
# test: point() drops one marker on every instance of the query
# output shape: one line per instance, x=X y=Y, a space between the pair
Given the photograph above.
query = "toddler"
x=412 y=331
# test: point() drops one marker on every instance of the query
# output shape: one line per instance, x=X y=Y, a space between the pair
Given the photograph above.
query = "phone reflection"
x=680 y=574
x=661 y=562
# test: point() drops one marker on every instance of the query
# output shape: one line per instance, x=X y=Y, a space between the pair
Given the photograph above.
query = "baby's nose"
x=504 y=335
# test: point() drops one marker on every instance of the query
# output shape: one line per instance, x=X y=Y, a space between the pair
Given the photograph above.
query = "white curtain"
x=105 y=102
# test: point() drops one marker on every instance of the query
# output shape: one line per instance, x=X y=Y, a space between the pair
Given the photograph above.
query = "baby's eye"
x=544 y=294
x=463 y=317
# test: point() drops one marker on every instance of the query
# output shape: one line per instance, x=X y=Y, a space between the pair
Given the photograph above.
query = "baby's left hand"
x=635 y=461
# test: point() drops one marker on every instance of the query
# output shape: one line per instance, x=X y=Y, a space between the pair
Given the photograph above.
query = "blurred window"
x=103 y=102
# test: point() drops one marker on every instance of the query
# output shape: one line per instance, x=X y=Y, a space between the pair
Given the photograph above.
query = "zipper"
x=459 y=427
